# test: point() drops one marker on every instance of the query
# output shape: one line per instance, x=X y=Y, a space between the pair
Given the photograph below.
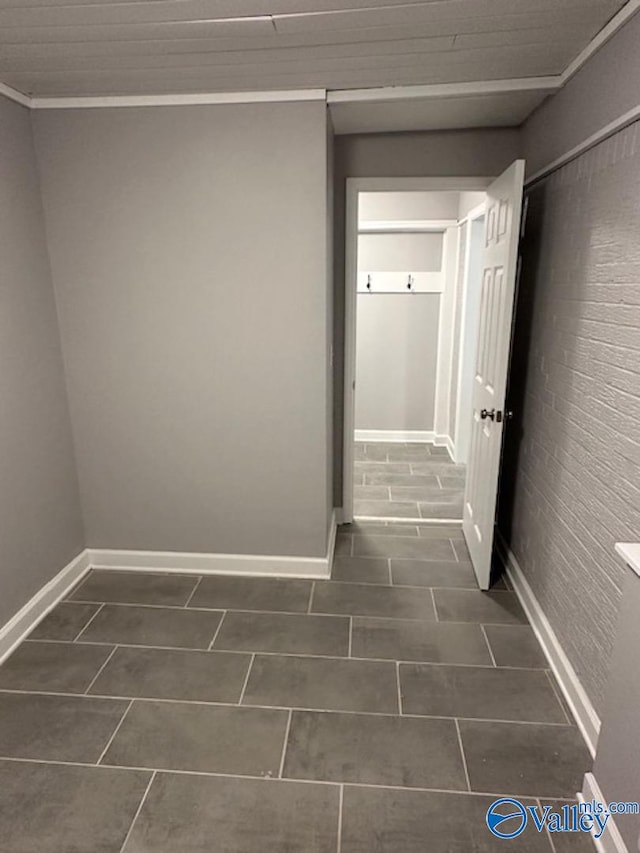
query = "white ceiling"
x=55 y=48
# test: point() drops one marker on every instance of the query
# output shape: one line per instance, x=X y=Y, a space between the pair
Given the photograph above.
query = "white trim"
x=610 y=841
x=444 y=90
x=210 y=564
x=601 y=38
x=195 y=562
x=446 y=441
x=336 y=516
x=353 y=187
x=474 y=213
x=608 y=130
x=444 y=363
x=396 y=435
x=15 y=95
x=406 y=226
x=630 y=553
x=477 y=184
x=575 y=694
x=34 y=611
x=70 y=103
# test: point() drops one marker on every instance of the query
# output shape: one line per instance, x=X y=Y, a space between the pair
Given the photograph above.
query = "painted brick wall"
x=572 y=457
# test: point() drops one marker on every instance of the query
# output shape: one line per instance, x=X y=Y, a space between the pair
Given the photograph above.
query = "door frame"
x=354 y=186
x=465 y=321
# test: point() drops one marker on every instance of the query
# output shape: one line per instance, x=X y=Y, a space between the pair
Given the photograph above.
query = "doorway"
x=430 y=280
x=415 y=247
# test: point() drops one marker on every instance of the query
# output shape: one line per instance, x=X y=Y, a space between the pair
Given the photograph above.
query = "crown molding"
x=15 y=95
x=619 y=20
x=71 y=103
x=445 y=90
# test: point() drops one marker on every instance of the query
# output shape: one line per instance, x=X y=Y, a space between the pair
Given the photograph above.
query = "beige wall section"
x=456 y=153
x=189 y=255
x=39 y=508
x=605 y=88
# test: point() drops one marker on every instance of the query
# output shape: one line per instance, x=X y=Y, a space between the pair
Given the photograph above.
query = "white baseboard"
x=34 y=611
x=575 y=694
x=610 y=841
x=445 y=441
x=195 y=562
x=177 y=562
x=395 y=435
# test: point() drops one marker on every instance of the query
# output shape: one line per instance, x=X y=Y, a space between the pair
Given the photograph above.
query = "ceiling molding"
x=15 y=95
x=443 y=90
x=71 y=103
x=600 y=39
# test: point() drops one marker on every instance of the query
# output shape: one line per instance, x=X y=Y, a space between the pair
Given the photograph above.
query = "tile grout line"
x=435 y=608
x=138 y=810
x=114 y=733
x=192 y=593
x=559 y=698
x=290 y=780
x=340 y=807
x=462 y=755
x=246 y=680
x=217 y=631
x=95 y=677
x=285 y=744
x=390 y=573
x=486 y=639
x=549 y=835
x=350 y=647
x=289 y=654
x=218 y=704
x=313 y=588
x=84 y=627
x=399 y=688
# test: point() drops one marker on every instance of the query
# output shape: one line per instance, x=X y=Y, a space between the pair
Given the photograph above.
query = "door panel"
x=504 y=203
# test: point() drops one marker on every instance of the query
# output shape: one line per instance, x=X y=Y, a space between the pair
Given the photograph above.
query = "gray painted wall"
x=604 y=89
x=457 y=153
x=575 y=449
x=39 y=507
x=396 y=355
x=189 y=255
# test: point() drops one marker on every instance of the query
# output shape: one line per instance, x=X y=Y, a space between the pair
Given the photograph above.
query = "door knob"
x=485 y=413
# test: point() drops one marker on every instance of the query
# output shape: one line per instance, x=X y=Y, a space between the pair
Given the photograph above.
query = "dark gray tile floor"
x=378 y=712
x=393 y=480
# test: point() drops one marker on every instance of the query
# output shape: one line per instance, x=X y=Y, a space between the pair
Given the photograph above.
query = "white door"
x=502 y=234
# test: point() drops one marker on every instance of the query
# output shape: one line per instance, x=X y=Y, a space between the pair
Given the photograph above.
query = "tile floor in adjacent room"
x=379 y=712
x=393 y=480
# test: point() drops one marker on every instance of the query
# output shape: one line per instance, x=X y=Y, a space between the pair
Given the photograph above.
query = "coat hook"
x=368 y=282
x=409 y=282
